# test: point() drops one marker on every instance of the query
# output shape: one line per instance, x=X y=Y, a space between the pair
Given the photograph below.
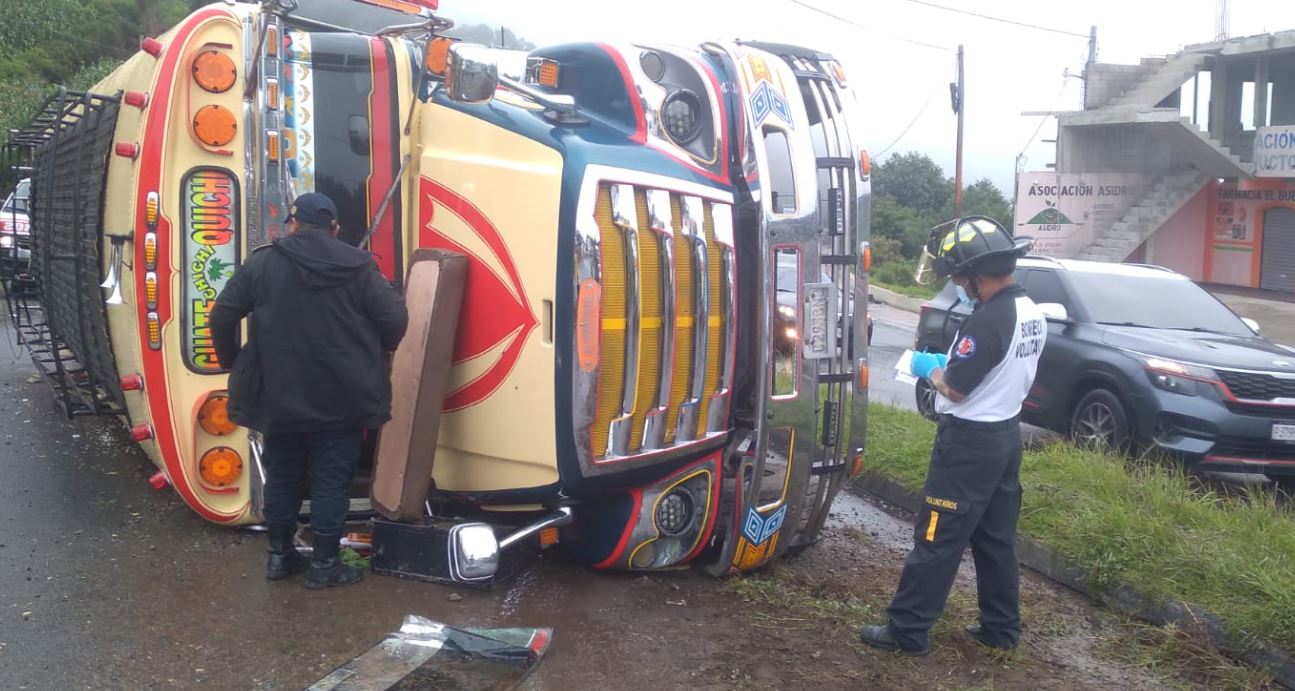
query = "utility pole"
x=1092 y=58
x=959 y=106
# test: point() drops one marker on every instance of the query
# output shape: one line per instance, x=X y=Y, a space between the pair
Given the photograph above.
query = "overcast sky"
x=1009 y=69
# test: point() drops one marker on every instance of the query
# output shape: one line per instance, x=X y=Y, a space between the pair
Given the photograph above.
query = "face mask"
x=963 y=297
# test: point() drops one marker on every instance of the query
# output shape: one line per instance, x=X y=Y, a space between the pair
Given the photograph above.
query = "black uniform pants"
x=331 y=458
x=972 y=497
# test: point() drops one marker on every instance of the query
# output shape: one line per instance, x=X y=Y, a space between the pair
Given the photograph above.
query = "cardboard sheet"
x=402 y=470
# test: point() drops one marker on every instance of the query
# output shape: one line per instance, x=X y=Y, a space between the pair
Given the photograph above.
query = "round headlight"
x=674 y=513
x=682 y=115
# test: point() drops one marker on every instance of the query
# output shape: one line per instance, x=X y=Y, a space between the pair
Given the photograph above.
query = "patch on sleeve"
x=965 y=348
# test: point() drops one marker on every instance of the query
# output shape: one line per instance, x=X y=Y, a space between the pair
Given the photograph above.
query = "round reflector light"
x=214 y=125
x=220 y=467
x=214 y=71
x=674 y=513
x=213 y=416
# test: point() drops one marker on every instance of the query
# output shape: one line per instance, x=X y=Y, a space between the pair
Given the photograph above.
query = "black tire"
x=924 y=393
x=1099 y=422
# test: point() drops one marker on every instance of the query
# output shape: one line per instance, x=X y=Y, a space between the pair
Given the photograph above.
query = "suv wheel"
x=925 y=394
x=1099 y=421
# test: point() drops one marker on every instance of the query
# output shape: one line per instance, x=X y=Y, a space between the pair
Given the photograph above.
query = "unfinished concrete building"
x=1187 y=161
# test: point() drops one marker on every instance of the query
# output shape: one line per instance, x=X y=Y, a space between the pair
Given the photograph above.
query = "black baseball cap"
x=314 y=208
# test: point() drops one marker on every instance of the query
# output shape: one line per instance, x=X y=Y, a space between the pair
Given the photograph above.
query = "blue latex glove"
x=924 y=363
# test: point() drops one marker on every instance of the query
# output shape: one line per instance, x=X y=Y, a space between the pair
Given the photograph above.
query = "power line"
x=910 y=124
x=969 y=13
x=839 y=18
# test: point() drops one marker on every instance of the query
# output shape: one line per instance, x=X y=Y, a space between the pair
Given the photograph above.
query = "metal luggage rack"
x=74 y=390
x=57 y=310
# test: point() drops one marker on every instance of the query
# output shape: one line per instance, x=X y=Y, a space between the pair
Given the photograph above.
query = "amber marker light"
x=272 y=93
x=214 y=125
x=150 y=243
x=213 y=416
x=856 y=466
x=865 y=163
x=548 y=537
x=438 y=55
x=214 y=71
x=220 y=467
x=150 y=214
x=154 y=324
x=589 y=324
x=862 y=379
x=548 y=74
x=150 y=290
x=272 y=41
x=866 y=257
x=272 y=146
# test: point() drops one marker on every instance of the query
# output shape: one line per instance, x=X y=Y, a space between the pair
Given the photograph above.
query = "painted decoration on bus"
x=210 y=208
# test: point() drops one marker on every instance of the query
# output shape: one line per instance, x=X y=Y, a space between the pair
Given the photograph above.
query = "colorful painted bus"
x=647 y=229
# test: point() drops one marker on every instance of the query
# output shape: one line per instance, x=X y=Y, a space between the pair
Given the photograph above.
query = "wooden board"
x=402 y=469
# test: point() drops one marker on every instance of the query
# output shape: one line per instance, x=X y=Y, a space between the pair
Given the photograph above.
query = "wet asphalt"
x=106 y=583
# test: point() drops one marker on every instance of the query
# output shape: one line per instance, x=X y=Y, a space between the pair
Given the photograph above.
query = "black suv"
x=1141 y=356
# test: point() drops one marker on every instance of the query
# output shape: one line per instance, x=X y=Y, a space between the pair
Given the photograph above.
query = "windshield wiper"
x=1137 y=326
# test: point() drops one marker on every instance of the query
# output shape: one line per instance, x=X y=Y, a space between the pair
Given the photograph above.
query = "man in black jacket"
x=312 y=376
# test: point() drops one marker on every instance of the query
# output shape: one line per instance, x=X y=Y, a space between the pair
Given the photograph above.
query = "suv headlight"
x=6 y=241
x=1177 y=377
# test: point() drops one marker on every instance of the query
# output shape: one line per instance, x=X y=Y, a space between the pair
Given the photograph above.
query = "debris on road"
x=411 y=659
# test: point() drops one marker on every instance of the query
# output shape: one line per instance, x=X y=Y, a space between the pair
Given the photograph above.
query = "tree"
x=914 y=181
x=984 y=198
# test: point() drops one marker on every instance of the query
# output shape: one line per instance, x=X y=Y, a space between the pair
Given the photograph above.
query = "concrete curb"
x=1042 y=559
x=890 y=297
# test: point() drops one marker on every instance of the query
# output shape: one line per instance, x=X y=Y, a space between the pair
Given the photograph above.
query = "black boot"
x=326 y=569
x=977 y=632
x=881 y=637
x=283 y=560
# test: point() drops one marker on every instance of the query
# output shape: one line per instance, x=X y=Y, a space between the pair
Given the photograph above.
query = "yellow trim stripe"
x=930 y=527
x=618 y=324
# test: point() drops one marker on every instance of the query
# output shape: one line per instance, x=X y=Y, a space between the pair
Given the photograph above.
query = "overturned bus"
x=647 y=229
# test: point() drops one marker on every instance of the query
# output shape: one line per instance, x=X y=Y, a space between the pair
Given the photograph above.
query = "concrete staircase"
x=1166 y=196
x=1153 y=89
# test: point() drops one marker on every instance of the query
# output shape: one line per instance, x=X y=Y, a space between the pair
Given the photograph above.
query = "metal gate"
x=1277 y=266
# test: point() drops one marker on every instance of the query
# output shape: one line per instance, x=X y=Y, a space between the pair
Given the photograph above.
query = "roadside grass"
x=1136 y=522
x=911 y=290
x=1170 y=653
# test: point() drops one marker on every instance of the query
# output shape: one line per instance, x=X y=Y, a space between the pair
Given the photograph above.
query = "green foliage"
x=914 y=181
x=911 y=195
x=1137 y=522
x=74 y=42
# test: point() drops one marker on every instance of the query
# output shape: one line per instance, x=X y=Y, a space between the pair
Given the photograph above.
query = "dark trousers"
x=331 y=457
x=972 y=497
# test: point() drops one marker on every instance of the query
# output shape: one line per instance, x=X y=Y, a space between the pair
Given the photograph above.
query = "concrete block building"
x=1187 y=161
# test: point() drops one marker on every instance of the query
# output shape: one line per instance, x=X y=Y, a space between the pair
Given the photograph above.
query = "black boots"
x=882 y=638
x=283 y=560
x=978 y=633
x=326 y=569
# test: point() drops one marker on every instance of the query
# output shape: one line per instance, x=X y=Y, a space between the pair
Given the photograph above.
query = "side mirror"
x=474 y=552
x=1054 y=312
x=1254 y=325
x=472 y=74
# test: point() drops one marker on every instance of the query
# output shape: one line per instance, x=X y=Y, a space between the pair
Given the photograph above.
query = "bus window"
x=782 y=178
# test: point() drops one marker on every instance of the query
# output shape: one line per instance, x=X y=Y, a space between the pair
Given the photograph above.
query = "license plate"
x=820 y=320
x=1283 y=432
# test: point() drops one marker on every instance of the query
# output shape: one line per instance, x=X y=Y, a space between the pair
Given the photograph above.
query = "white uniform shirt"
x=994 y=358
